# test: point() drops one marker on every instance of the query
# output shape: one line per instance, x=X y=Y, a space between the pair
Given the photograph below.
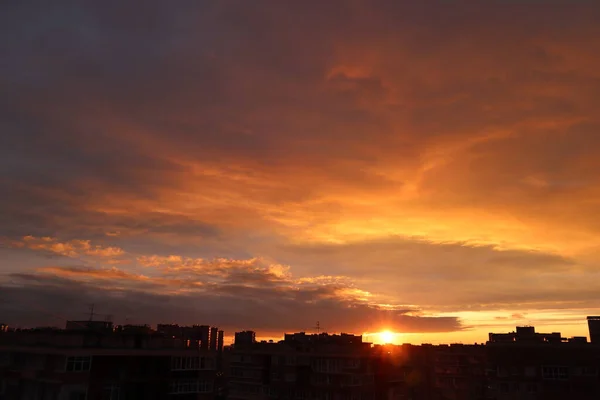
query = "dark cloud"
x=46 y=299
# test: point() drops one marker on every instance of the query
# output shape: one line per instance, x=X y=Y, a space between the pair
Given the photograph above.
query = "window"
x=302 y=360
x=352 y=380
x=78 y=363
x=111 y=392
x=245 y=388
x=352 y=363
x=4 y=358
x=236 y=358
x=189 y=363
x=532 y=387
x=321 y=379
x=590 y=371
x=326 y=365
x=190 y=386
x=77 y=396
x=530 y=372
x=555 y=373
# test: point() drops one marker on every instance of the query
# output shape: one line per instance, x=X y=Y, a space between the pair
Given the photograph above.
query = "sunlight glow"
x=387 y=336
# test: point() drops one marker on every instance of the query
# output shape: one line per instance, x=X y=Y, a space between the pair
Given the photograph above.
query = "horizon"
x=384 y=337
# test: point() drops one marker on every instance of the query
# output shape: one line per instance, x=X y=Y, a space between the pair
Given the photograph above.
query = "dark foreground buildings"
x=521 y=365
x=530 y=365
x=95 y=360
x=343 y=367
x=594 y=327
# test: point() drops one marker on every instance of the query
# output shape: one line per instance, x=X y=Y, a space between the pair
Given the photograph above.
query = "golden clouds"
x=430 y=146
x=72 y=248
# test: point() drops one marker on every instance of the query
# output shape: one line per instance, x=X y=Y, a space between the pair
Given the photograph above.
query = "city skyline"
x=430 y=169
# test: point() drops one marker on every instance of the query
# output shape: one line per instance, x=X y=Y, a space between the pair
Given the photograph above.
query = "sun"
x=386 y=336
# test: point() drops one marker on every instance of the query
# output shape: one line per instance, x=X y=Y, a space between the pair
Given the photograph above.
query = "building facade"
x=79 y=364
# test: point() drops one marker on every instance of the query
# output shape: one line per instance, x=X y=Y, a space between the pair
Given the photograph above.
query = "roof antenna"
x=91 y=312
x=318 y=327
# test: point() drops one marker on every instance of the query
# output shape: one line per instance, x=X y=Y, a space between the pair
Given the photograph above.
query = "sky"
x=428 y=168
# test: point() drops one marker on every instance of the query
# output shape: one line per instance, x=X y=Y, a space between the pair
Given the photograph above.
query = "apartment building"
x=302 y=367
x=97 y=365
x=534 y=366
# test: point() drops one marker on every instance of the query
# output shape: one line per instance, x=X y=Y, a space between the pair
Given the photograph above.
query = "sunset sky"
x=428 y=168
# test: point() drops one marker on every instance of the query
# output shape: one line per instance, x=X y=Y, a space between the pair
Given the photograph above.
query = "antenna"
x=318 y=327
x=92 y=312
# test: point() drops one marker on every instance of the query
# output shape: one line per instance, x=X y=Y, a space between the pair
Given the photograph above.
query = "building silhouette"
x=89 y=324
x=97 y=361
x=128 y=362
x=594 y=329
x=244 y=338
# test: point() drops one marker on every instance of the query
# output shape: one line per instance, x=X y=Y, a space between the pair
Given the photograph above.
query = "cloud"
x=237 y=302
x=321 y=140
x=304 y=144
x=71 y=248
x=447 y=275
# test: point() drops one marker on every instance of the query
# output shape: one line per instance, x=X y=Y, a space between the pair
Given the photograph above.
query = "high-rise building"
x=220 y=341
x=169 y=330
x=199 y=333
x=594 y=328
x=213 y=337
x=244 y=338
x=204 y=331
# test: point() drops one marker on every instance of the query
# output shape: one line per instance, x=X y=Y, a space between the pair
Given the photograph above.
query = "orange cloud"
x=71 y=248
x=110 y=273
x=473 y=134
